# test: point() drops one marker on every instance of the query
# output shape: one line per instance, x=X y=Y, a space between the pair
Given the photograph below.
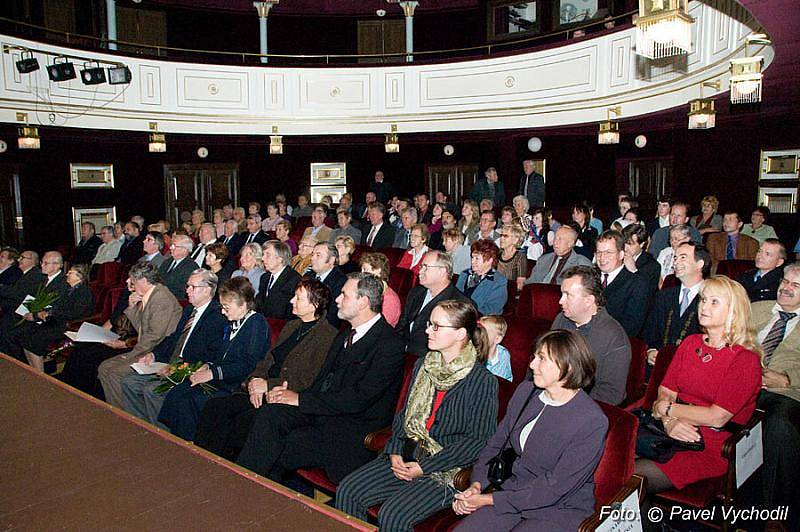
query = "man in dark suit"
x=53 y=269
x=762 y=282
x=133 y=246
x=402 y=235
x=625 y=292
x=175 y=271
x=361 y=210
x=662 y=216
x=673 y=315
x=640 y=261
x=232 y=240
x=382 y=189
x=254 y=234
x=9 y=270
x=435 y=285
x=354 y=394
x=381 y=233
x=489 y=188
x=198 y=337
x=323 y=268
x=11 y=296
x=531 y=185
x=424 y=210
x=277 y=285
x=87 y=248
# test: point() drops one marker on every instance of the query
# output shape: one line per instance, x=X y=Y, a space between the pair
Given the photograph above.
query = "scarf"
x=435 y=374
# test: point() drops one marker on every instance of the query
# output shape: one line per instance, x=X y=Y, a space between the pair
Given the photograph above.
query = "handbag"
x=653 y=442
x=499 y=467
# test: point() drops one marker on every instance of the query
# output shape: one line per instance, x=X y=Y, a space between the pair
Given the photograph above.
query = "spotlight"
x=119 y=75
x=28 y=64
x=93 y=75
x=61 y=71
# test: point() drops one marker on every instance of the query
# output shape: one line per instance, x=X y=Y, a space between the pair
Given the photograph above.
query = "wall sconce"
x=28 y=135
x=275 y=142
x=746 y=76
x=392 y=141
x=158 y=141
x=609 y=129
x=663 y=28
x=701 y=110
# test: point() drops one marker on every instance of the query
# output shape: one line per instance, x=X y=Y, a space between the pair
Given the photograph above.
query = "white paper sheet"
x=22 y=309
x=143 y=369
x=749 y=455
x=89 y=332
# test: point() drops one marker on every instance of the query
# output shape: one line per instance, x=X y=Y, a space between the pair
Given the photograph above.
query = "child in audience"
x=499 y=359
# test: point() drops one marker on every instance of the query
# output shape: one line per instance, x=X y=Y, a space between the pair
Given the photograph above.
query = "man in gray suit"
x=153 y=244
x=550 y=267
x=402 y=238
x=345 y=228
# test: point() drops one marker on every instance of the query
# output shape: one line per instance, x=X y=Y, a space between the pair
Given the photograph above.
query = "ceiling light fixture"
x=663 y=28
x=609 y=129
x=28 y=135
x=275 y=142
x=392 y=141
x=746 y=76
x=701 y=110
x=158 y=141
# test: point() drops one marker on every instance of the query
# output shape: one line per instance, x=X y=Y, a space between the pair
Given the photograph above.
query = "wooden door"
x=381 y=37
x=11 y=228
x=199 y=186
x=454 y=180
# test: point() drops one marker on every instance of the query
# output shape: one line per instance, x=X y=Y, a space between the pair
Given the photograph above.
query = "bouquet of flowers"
x=179 y=372
x=52 y=354
x=41 y=301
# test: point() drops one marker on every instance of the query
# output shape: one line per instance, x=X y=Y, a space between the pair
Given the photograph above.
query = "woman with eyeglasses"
x=449 y=414
x=250 y=265
x=714 y=378
x=246 y=341
x=512 y=262
x=302 y=261
x=295 y=361
x=482 y=283
x=412 y=259
x=557 y=434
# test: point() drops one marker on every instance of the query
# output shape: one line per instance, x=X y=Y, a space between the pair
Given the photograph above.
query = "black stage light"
x=61 y=71
x=28 y=64
x=119 y=75
x=93 y=75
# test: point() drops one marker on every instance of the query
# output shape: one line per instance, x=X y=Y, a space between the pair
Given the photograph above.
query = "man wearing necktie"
x=323 y=268
x=208 y=235
x=730 y=244
x=277 y=285
x=627 y=295
x=779 y=337
x=762 y=282
x=402 y=239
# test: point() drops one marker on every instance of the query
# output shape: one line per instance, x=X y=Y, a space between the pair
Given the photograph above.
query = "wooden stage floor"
x=68 y=461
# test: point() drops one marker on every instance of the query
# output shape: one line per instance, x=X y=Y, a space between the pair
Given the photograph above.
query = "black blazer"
x=766 y=288
x=11 y=296
x=176 y=279
x=355 y=394
x=415 y=340
x=85 y=251
x=205 y=342
x=466 y=419
x=260 y=238
x=277 y=303
x=666 y=307
x=131 y=250
x=626 y=300
x=75 y=303
x=10 y=276
x=334 y=281
x=58 y=285
x=384 y=238
x=234 y=246
x=650 y=270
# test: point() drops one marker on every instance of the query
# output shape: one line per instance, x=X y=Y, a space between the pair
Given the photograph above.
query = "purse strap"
x=511 y=429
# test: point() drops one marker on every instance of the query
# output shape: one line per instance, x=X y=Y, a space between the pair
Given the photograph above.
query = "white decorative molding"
x=568 y=84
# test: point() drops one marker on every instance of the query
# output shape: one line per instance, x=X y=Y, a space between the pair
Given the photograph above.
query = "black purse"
x=501 y=466
x=653 y=442
x=412 y=451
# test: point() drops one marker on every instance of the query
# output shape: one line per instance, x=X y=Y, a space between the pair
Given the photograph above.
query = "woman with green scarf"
x=450 y=413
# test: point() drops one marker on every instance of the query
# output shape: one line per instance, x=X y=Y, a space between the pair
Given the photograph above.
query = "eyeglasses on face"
x=436 y=326
x=426 y=266
x=195 y=286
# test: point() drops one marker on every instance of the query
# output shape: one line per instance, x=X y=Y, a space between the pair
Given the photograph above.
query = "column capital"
x=263 y=7
x=409 y=7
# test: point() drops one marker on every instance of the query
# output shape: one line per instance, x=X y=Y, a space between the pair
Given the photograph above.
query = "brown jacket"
x=786 y=357
x=303 y=363
x=156 y=321
x=746 y=247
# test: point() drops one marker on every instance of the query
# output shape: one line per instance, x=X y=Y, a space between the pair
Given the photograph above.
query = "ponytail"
x=480 y=339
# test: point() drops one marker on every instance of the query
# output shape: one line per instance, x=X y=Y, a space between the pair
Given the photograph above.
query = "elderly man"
x=550 y=267
x=318 y=230
x=109 y=249
x=197 y=337
x=673 y=315
x=30 y=279
x=175 y=271
x=207 y=235
x=626 y=293
x=345 y=227
x=489 y=188
x=132 y=247
x=361 y=211
x=486 y=228
x=154 y=313
x=779 y=337
x=730 y=244
x=531 y=185
x=678 y=215
x=402 y=237
x=354 y=394
x=435 y=285
x=87 y=248
x=380 y=234
x=9 y=270
x=582 y=310
x=762 y=282
x=323 y=268
x=232 y=239
x=758 y=228
x=153 y=244
x=254 y=234
x=277 y=285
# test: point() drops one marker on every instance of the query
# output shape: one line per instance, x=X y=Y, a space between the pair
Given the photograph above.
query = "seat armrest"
x=461 y=480
x=636 y=482
x=376 y=441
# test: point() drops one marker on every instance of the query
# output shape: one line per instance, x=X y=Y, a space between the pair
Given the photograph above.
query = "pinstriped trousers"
x=404 y=503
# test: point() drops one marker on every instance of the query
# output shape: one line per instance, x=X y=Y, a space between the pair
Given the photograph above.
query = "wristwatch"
x=669 y=408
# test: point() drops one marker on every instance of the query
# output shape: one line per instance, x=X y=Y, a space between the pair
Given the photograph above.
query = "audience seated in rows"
x=730 y=243
x=324 y=269
x=276 y=288
x=762 y=281
x=482 y=282
x=378 y=265
x=550 y=268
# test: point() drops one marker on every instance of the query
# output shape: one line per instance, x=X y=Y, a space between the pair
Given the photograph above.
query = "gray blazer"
x=545 y=263
x=157 y=320
x=350 y=231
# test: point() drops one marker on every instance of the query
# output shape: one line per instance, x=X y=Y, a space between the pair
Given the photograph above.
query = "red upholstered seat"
x=402 y=280
x=111 y=273
x=665 y=355
x=298 y=228
x=616 y=464
x=735 y=267
x=539 y=300
x=275 y=325
x=670 y=281
x=511 y=303
x=357 y=254
x=520 y=337
x=635 y=383
x=393 y=254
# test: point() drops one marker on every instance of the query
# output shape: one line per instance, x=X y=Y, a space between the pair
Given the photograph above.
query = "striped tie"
x=184 y=336
x=775 y=336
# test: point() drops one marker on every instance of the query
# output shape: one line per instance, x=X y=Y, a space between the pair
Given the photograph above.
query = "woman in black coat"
x=77 y=303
